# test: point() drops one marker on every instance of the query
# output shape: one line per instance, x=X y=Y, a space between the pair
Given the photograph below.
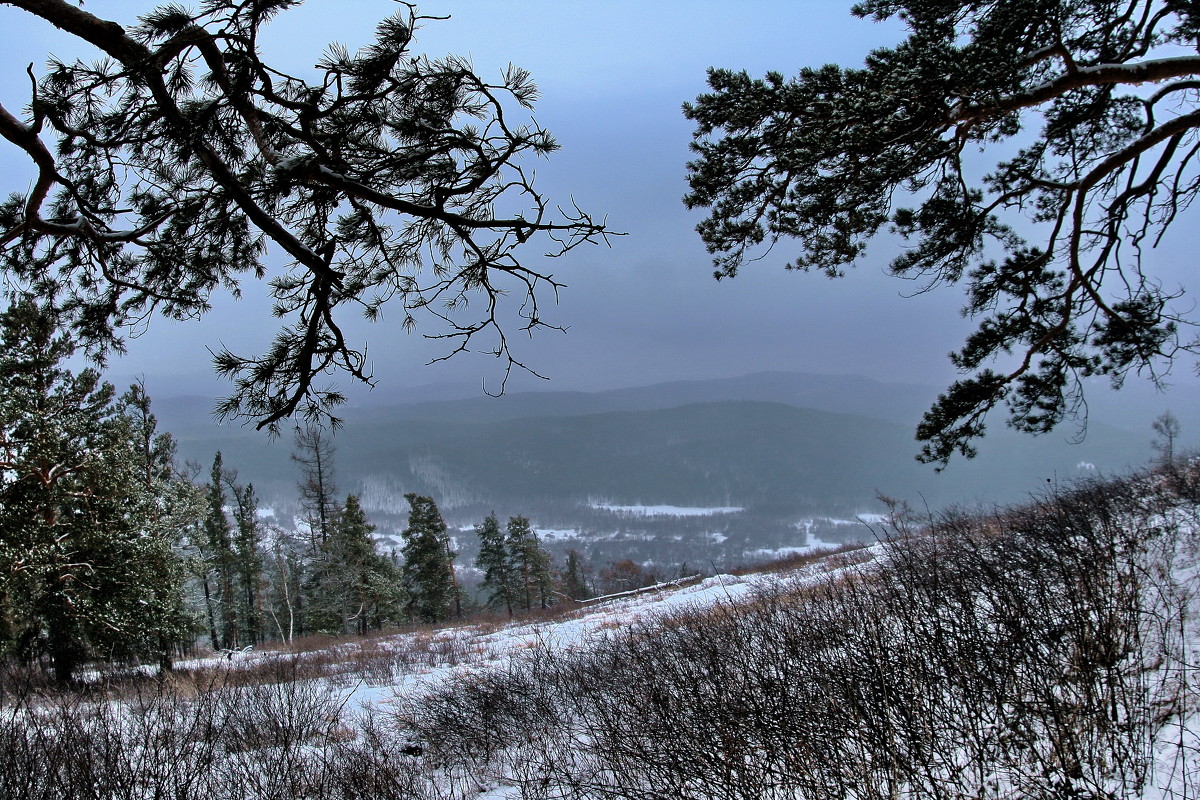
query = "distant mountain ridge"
x=769 y=440
x=849 y=394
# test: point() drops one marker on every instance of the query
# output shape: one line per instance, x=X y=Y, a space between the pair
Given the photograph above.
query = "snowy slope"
x=1051 y=650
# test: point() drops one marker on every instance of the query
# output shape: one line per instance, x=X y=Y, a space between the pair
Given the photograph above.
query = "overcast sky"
x=613 y=76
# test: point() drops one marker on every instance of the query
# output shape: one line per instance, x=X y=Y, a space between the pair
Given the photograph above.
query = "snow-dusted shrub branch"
x=1041 y=651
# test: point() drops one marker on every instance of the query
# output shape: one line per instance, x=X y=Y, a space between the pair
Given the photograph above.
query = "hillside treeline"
x=113 y=553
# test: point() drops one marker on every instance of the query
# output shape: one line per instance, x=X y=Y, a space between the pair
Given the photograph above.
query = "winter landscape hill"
x=1050 y=650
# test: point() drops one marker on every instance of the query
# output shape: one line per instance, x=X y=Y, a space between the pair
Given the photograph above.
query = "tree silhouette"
x=166 y=169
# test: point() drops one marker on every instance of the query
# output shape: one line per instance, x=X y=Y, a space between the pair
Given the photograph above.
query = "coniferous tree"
x=373 y=588
x=456 y=595
x=87 y=512
x=326 y=588
x=531 y=564
x=390 y=596
x=248 y=564
x=176 y=507
x=496 y=562
x=317 y=601
x=428 y=561
x=318 y=492
x=543 y=574
x=575 y=583
x=516 y=540
x=219 y=564
x=343 y=573
x=1166 y=427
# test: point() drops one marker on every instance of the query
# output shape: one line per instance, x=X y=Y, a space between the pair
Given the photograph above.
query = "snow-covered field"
x=458 y=650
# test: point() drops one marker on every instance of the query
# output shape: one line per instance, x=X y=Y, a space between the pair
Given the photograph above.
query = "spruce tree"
x=341 y=573
x=575 y=583
x=317 y=602
x=530 y=563
x=176 y=507
x=219 y=564
x=496 y=562
x=247 y=560
x=373 y=585
x=87 y=513
x=428 y=561
x=389 y=599
x=543 y=574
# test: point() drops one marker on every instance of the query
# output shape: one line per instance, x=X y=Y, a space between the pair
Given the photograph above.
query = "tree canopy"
x=166 y=169
x=428 y=561
x=91 y=508
x=1091 y=109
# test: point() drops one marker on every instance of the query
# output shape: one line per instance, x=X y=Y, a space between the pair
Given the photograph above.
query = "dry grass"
x=795 y=561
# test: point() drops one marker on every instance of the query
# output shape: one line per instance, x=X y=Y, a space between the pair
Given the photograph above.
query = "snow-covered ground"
x=864 y=520
x=462 y=649
x=383 y=674
x=814 y=546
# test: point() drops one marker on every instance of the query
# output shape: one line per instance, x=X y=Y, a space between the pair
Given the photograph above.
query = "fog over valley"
x=721 y=471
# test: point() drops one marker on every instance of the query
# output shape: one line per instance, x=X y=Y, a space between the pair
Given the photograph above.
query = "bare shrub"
x=1038 y=651
x=282 y=739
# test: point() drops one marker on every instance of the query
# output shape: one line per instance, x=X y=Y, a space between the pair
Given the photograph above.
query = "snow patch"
x=813 y=546
x=667 y=511
x=555 y=534
x=864 y=519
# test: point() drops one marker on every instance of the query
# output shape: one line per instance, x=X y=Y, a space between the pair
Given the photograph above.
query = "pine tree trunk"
x=64 y=656
x=165 y=662
x=212 y=618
